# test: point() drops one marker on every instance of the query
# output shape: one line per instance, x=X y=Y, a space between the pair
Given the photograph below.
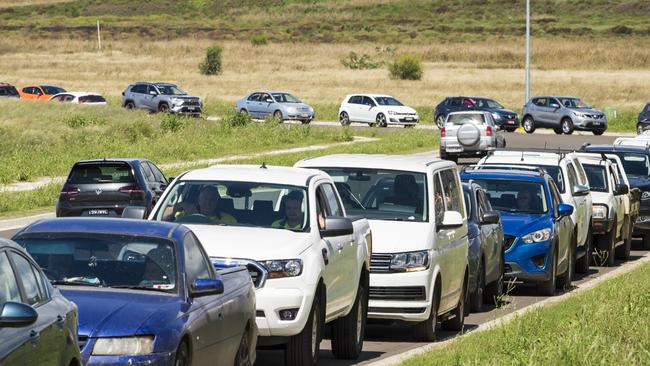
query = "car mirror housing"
x=621 y=189
x=556 y=106
x=451 y=220
x=337 y=226
x=152 y=92
x=490 y=217
x=134 y=212
x=269 y=100
x=580 y=190
x=16 y=315
x=564 y=210
x=206 y=286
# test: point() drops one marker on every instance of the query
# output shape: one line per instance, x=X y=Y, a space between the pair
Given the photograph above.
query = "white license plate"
x=191 y=108
x=408 y=119
x=97 y=212
x=304 y=115
x=511 y=122
x=597 y=123
x=454 y=149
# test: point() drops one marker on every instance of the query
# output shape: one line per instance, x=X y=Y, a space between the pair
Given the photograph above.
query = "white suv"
x=469 y=134
x=571 y=180
x=415 y=205
x=376 y=110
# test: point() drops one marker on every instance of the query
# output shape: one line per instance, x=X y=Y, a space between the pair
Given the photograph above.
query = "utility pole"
x=527 y=51
x=99 y=38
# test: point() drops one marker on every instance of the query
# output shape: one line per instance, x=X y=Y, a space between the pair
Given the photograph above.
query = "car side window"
x=368 y=101
x=140 y=89
x=573 y=179
x=480 y=209
x=196 y=265
x=160 y=177
x=148 y=174
x=451 y=189
x=254 y=97
x=582 y=175
x=264 y=97
x=554 y=103
x=555 y=196
x=456 y=102
x=8 y=285
x=540 y=102
x=28 y=278
x=439 y=204
x=333 y=204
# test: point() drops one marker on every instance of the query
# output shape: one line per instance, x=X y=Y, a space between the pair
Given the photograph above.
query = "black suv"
x=8 y=90
x=105 y=187
x=505 y=119
x=643 y=120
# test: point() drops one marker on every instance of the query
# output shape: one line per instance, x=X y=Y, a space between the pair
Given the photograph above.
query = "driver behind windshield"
x=207 y=205
x=292 y=211
x=527 y=201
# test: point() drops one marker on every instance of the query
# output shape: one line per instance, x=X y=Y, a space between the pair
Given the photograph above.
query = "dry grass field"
x=607 y=73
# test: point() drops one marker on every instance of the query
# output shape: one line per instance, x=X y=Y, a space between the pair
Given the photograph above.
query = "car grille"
x=191 y=102
x=380 y=263
x=396 y=310
x=510 y=116
x=508 y=240
x=398 y=293
x=258 y=274
x=81 y=340
x=595 y=116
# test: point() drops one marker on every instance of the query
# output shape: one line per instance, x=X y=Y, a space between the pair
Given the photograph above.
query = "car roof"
x=5 y=84
x=469 y=112
x=416 y=163
x=160 y=229
x=518 y=175
x=555 y=96
x=78 y=94
x=255 y=174
x=531 y=157
x=371 y=95
x=617 y=148
x=112 y=160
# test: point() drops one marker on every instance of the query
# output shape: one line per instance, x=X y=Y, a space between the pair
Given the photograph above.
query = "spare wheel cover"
x=468 y=134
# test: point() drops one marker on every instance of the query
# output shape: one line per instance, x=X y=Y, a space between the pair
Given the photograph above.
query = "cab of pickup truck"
x=308 y=261
x=415 y=206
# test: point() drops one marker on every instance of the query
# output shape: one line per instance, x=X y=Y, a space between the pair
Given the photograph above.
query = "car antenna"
x=522 y=155
x=263 y=165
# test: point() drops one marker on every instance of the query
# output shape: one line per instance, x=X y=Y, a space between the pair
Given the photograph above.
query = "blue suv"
x=537 y=226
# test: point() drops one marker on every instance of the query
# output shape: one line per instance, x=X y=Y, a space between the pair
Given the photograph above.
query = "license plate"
x=408 y=119
x=454 y=149
x=597 y=123
x=97 y=212
x=192 y=108
x=511 y=122
x=304 y=115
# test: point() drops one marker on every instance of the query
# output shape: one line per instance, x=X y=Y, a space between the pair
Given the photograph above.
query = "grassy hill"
x=397 y=21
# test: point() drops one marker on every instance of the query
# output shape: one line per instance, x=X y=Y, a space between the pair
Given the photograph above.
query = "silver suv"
x=563 y=115
x=160 y=97
x=469 y=134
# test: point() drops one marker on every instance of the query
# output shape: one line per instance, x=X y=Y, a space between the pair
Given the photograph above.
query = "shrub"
x=406 y=67
x=355 y=61
x=236 y=119
x=212 y=63
x=171 y=123
x=258 y=40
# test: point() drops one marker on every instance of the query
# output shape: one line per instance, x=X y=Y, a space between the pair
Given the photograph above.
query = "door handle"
x=339 y=247
x=326 y=258
x=33 y=337
x=60 y=321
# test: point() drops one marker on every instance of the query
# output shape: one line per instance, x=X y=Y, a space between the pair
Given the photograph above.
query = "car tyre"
x=426 y=331
x=494 y=290
x=598 y=132
x=302 y=349
x=381 y=120
x=243 y=111
x=623 y=251
x=567 y=126
x=582 y=264
x=277 y=116
x=129 y=105
x=457 y=322
x=547 y=288
x=348 y=332
x=182 y=355
x=344 y=119
x=528 y=124
x=440 y=121
x=243 y=357
x=564 y=282
x=163 y=108
x=476 y=299
x=607 y=244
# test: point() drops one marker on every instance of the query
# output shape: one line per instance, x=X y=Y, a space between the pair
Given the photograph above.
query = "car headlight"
x=176 y=100
x=131 y=346
x=599 y=212
x=283 y=268
x=392 y=113
x=645 y=195
x=410 y=262
x=537 y=236
x=578 y=114
x=496 y=115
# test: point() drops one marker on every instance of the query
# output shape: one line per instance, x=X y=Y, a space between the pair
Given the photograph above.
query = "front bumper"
x=394 y=303
x=403 y=120
x=162 y=359
x=529 y=262
x=589 y=124
x=271 y=299
x=601 y=226
x=300 y=116
x=507 y=124
x=186 y=109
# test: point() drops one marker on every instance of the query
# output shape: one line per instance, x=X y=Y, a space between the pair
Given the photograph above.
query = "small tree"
x=406 y=67
x=212 y=63
x=258 y=40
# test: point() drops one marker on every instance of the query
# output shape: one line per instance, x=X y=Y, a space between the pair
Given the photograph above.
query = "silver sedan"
x=281 y=105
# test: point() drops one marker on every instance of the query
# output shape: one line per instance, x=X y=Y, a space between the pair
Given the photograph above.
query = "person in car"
x=292 y=211
x=159 y=269
x=207 y=205
x=524 y=200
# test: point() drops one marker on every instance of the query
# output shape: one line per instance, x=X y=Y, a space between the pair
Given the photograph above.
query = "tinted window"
x=635 y=164
x=368 y=101
x=196 y=265
x=461 y=119
x=456 y=102
x=597 y=177
x=388 y=101
x=8 y=90
x=451 y=188
x=515 y=196
x=573 y=179
x=285 y=98
x=169 y=89
x=540 y=102
x=332 y=202
x=148 y=174
x=487 y=103
x=91 y=99
x=356 y=99
x=101 y=173
x=160 y=177
x=140 y=88
x=254 y=97
x=265 y=97
x=438 y=199
x=558 y=176
x=556 y=197
x=8 y=286
x=26 y=275
x=467 y=193
x=52 y=89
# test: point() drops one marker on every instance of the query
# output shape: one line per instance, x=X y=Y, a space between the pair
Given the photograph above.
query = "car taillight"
x=69 y=191
x=133 y=191
x=443 y=133
x=488 y=131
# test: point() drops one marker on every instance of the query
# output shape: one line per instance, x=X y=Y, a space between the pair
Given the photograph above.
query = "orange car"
x=39 y=92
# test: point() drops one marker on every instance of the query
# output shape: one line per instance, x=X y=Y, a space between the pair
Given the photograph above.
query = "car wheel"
x=381 y=120
x=243 y=357
x=305 y=121
x=494 y=290
x=440 y=121
x=528 y=124
x=457 y=322
x=639 y=129
x=348 y=332
x=598 y=132
x=426 y=331
x=623 y=251
x=344 y=119
x=607 y=247
x=557 y=130
x=277 y=116
x=567 y=126
x=182 y=355
x=582 y=264
x=302 y=349
x=564 y=282
x=243 y=111
x=129 y=105
x=476 y=298
x=547 y=288
x=163 y=108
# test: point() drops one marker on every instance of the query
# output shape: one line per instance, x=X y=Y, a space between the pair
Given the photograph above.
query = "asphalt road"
x=387 y=340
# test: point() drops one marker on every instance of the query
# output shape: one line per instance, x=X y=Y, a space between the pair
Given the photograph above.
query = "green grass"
x=609 y=325
x=399 y=21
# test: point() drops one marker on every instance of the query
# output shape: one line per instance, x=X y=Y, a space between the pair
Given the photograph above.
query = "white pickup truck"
x=309 y=262
x=415 y=205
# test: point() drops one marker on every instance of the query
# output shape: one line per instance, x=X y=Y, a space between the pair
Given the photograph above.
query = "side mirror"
x=153 y=92
x=269 y=100
x=564 y=210
x=206 y=287
x=451 y=220
x=621 y=189
x=556 y=106
x=491 y=217
x=337 y=226
x=580 y=190
x=134 y=212
x=16 y=315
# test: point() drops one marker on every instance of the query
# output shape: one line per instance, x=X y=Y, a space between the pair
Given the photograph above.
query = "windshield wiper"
x=131 y=287
x=78 y=281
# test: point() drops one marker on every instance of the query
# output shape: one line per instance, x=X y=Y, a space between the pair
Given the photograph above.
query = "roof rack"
x=528 y=168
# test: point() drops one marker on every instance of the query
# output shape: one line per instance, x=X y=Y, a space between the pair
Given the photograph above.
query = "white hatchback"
x=376 y=110
x=79 y=98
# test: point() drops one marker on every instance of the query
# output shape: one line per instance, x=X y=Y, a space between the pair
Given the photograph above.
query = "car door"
x=266 y=105
x=369 y=110
x=150 y=181
x=160 y=180
x=493 y=238
x=620 y=204
x=151 y=100
x=554 y=112
x=564 y=226
x=353 y=107
x=539 y=110
x=579 y=203
x=138 y=92
x=251 y=104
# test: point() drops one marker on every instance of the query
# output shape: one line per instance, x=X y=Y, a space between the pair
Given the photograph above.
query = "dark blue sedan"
x=146 y=291
x=38 y=326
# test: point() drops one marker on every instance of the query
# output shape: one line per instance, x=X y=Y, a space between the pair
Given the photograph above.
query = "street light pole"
x=527 y=51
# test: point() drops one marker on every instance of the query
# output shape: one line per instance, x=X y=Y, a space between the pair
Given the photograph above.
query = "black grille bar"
x=380 y=263
x=411 y=293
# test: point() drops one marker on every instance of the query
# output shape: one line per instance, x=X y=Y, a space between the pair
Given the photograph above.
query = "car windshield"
x=636 y=165
x=514 y=196
x=168 y=89
x=382 y=194
x=465 y=118
x=487 y=103
x=597 y=177
x=90 y=173
x=554 y=171
x=52 y=89
x=574 y=103
x=390 y=101
x=91 y=99
x=105 y=260
x=285 y=98
x=8 y=90
x=236 y=204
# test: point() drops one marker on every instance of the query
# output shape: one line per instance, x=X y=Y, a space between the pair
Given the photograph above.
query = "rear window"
x=8 y=90
x=597 y=176
x=461 y=119
x=101 y=173
x=91 y=99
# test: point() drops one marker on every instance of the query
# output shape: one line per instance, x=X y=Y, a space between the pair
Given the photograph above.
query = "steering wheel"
x=194 y=219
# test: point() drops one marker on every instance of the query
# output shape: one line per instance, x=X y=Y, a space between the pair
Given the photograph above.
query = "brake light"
x=69 y=191
x=132 y=190
x=443 y=133
x=488 y=132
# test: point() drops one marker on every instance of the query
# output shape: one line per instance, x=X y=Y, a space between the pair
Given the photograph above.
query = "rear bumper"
x=453 y=147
